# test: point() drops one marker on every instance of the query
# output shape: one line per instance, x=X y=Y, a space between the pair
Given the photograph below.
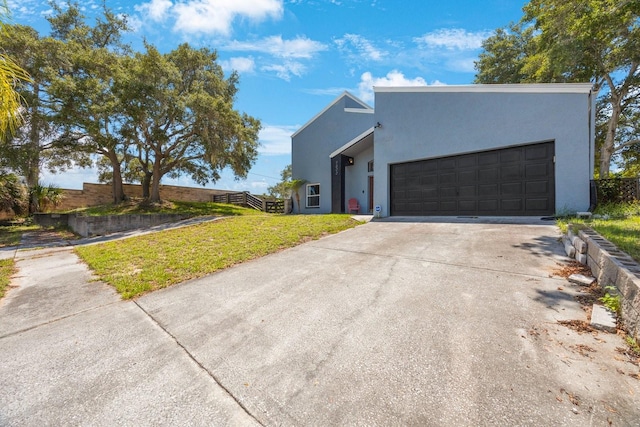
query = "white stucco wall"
x=312 y=145
x=422 y=123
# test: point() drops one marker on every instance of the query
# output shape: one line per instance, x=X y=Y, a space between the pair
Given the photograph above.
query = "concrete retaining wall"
x=611 y=267
x=88 y=226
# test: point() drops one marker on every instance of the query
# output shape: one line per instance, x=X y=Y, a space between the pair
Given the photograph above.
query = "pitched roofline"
x=494 y=88
x=353 y=142
x=334 y=102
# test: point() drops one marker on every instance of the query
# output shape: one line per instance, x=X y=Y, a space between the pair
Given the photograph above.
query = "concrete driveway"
x=402 y=322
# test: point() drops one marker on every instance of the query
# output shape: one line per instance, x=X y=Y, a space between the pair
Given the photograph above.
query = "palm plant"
x=295 y=185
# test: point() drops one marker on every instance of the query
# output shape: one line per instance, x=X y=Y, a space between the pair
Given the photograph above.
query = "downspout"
x=593 y=194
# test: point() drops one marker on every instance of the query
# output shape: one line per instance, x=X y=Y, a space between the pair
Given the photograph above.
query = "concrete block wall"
x=101 y=194
x=88 y=226
x=611 y=267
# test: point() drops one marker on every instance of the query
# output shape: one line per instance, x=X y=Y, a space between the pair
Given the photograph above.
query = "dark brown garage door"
x=509 y=181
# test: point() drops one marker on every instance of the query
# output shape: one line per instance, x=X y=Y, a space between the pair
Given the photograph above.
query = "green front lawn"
x=138 y=265
x=10 y=235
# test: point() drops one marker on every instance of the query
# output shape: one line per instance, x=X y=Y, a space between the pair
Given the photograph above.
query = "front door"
x=370 y=193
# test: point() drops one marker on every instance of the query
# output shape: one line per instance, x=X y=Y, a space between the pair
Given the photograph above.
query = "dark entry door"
x=510 y=181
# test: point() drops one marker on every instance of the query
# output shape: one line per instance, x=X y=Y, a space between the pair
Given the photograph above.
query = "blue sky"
x=295 y=56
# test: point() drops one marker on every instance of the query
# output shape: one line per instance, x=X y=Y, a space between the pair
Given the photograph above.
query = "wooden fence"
x=617 y=190
x=249 y=200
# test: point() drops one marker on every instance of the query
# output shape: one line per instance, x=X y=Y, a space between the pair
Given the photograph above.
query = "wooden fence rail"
x=249 y=200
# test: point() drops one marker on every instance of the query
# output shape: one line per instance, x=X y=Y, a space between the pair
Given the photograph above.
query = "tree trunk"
x=608 y=147
x=32 y=161
x=146 y=184
x=298 y=200
x=116 y=184
x=155 y=183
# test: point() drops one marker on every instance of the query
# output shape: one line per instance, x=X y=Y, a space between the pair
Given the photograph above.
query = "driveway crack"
x=197 y=362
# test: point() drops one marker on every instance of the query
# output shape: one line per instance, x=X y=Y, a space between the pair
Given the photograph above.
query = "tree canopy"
x=138 y=115
x=179 y=117
x=594 y=41
x=10 y=75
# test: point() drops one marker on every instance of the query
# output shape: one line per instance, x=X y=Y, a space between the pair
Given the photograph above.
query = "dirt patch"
x=580 y=326
x=571 y=267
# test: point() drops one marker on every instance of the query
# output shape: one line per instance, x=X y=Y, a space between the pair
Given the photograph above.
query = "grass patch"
x=154 y=261
x=7 y=269
x=620 y=224
x=10 y=235
x=136 y=206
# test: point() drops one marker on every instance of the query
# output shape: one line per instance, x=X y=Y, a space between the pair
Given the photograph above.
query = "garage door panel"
x=467 y=191
x=467 y=206
x=467 y=161
x=538 y=152
x=448 y=206
x=488 y=190
x=488 y=206
x=467 y=177
x=511 y=156
x=447 y=163
x=536 y=170
x=512 y=189
x=537 y=187
x=539 y=205
x=510 y=173
x=511 y=181
x=447 y=178
x=431 y=179
x=488 y=159
x=511 y=205
x=489 y=175
x=430 y=193
x=446 y=192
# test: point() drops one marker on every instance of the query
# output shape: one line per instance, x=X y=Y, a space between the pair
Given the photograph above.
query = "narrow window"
x=313 y=195
x=370 y=166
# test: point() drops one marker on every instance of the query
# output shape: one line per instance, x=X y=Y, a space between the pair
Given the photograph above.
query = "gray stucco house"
x=481 y=150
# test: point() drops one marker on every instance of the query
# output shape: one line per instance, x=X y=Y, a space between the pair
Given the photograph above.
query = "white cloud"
x=300 y=47
x=259 y=185
x=463 y=65
x=453 y=39
x=276 y=140
x=393 y=78
x=286 y=69
x=289 y=51
x=364 y=48
x=210 y=16
x=239 y=64
x=157 y=10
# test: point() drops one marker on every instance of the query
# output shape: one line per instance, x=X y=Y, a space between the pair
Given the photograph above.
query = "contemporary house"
x=479 y=150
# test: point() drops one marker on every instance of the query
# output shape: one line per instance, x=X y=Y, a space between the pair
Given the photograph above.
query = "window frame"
x=309 y=196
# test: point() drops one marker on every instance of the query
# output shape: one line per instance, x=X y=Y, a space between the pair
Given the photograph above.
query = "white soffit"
x=492 y=88
x=351 y=143
x=359 y=110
